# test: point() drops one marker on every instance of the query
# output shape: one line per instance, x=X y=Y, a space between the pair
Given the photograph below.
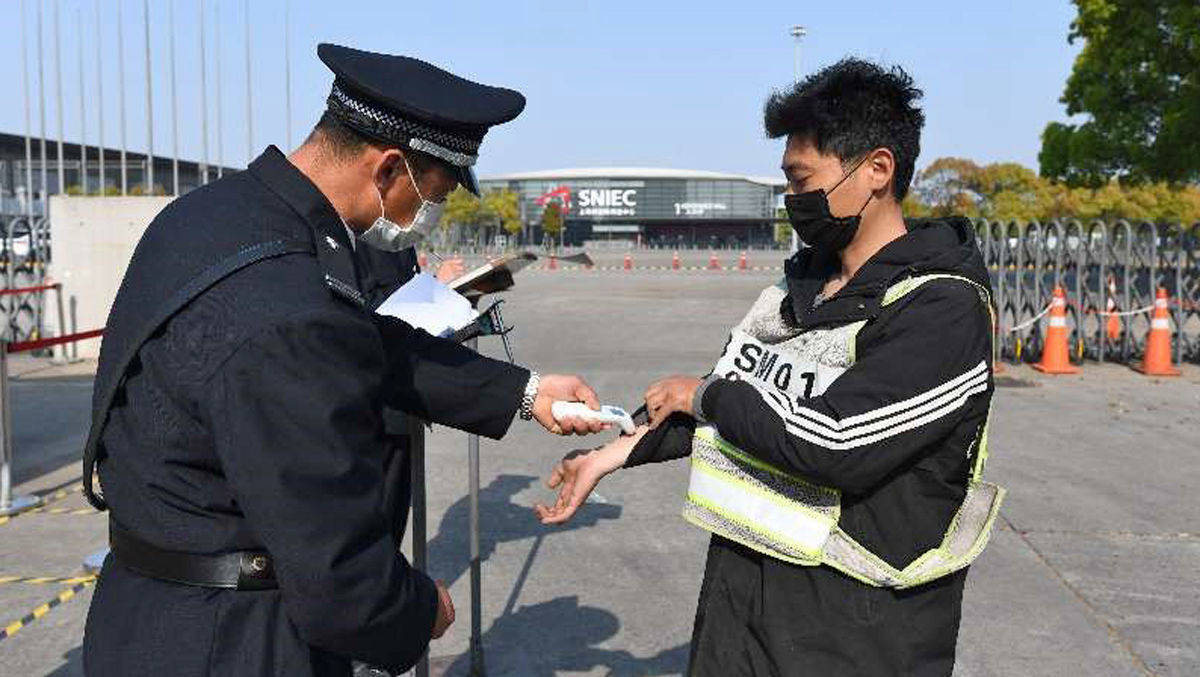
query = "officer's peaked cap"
x=412 y=104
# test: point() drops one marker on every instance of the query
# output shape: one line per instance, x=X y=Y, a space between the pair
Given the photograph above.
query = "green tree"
x=462 y=209
x=783 y=230
x=552 y=220
x=1007 y=191
x=944 y=188
x=504 y=206
x=464 y=214
x=1137 y=81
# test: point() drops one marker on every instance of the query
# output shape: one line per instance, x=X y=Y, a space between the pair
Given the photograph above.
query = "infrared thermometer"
x=606 y=414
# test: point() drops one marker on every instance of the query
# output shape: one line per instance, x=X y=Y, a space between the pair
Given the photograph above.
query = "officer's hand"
x=451 y=270
x=555 y=387
x=578 y=473
x=445 y=611
x=670 y=395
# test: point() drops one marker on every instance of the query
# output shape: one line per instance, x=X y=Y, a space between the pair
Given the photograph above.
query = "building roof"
x=630 y=173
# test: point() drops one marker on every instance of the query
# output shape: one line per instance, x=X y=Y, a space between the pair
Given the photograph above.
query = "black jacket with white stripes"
x=897 y=432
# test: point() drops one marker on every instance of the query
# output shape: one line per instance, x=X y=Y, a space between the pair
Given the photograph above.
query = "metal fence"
x=1110 y=273
x=24 y=253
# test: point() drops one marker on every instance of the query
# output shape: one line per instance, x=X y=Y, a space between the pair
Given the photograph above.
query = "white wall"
x=91 y=242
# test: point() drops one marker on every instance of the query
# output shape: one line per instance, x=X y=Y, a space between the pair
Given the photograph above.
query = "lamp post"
x=287 y=74
x=174 y=103
x=798 y=32
x=149 y=173
x=249 y=93
x=203 y=101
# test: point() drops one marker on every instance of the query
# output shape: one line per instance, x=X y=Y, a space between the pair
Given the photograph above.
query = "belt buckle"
x=256 y=571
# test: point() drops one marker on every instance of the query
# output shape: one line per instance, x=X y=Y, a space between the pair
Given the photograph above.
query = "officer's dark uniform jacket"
x=380 y=273
x=761 y=616
x=251 y=419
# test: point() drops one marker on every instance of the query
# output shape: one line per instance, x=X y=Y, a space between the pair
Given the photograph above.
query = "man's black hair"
x=338 y=137
x=346 y=142
x=850 y=109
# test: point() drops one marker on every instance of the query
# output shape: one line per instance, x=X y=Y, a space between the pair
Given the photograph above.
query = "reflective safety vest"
x=782 y=515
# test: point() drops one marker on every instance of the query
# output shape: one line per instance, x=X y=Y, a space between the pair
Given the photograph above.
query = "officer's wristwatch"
x=531 y=391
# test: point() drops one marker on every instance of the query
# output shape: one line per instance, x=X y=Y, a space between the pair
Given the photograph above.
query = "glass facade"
x=702 y=207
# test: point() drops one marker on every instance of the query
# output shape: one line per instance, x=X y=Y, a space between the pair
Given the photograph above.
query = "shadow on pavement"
x=566 y=635
x=73 y=666
x=500 y=521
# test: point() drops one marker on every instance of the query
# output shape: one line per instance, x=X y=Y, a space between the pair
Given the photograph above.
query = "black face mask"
x=813 y=223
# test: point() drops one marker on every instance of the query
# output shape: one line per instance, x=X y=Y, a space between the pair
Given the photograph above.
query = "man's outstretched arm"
x=443 y=382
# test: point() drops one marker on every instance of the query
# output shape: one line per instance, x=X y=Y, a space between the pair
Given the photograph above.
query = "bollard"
x=9 y=504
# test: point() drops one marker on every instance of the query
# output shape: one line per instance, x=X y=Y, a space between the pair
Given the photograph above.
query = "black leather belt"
x=245 y=570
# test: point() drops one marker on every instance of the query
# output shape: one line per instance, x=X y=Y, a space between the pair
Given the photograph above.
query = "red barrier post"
x=62 y=320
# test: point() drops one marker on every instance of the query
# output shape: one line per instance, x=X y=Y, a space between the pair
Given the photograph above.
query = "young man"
x=838 y=443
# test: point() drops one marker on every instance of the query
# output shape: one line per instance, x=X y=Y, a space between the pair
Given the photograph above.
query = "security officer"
x=237 y=426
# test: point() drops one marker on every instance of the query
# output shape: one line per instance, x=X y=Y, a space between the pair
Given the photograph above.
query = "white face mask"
x=391 y=236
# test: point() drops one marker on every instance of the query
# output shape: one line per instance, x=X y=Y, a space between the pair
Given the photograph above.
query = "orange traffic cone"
x=1157 y=360
x=553 y=262
x=742 y=261
x=1113 y=326
x=675 y=261
x=423 y=261
x=628 y=262
x=1055 y=354
x=713 y=263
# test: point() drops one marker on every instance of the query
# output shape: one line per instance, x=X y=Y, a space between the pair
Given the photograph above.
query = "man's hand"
x=670 y=395
x=445 y=611
x=555 y=387
x=450 y=270
x=578 y=473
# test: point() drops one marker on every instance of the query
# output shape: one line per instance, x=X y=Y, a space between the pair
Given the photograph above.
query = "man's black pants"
x=763 y=617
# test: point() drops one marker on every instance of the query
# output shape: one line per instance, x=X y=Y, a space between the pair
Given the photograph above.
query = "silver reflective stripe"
x=714 y=522
x=772 y=513
x=967 y=536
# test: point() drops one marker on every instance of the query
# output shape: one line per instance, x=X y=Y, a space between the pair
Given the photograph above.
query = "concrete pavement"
x=1092 y=570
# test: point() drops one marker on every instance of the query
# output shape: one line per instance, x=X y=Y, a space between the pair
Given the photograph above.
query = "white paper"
x=428 y=304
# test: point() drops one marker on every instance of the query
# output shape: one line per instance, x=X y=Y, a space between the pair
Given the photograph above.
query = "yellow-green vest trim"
x=779 y=514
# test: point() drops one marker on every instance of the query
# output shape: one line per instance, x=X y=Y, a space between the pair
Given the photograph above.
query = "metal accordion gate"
x=1110 y=273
